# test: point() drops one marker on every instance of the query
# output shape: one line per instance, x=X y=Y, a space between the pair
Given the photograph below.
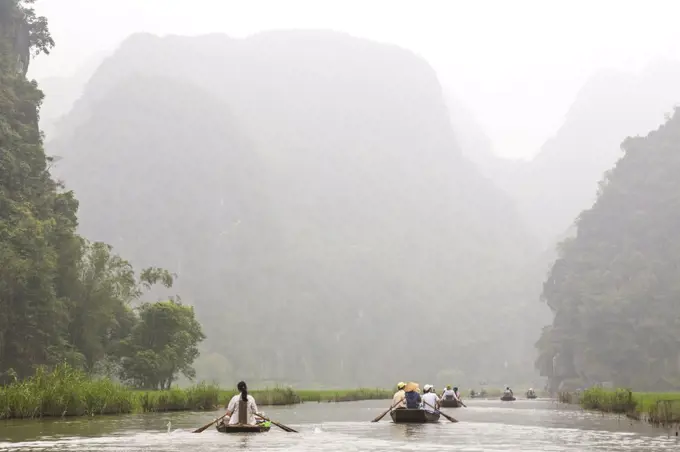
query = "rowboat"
x=449 y=403
x=531 y=396
x=244 y=428
x=413 y=416
x=508 y=398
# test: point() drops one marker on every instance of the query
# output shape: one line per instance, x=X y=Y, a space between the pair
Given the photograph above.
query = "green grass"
x=270 y=396
x=288 y=396
x=658 y=408
x=196 y=398
x=64 y=391
x=344 y=395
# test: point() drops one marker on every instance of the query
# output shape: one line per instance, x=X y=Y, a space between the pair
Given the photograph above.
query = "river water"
x=486 y=425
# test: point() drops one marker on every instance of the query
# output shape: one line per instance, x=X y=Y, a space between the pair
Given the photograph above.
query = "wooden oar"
x=462 y=403
x=199 y=430
x=281 y=426
x=388 y=410
x=442 y=413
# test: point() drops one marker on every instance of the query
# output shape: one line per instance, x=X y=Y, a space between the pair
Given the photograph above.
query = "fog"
x=513 y=63
x=340 y=186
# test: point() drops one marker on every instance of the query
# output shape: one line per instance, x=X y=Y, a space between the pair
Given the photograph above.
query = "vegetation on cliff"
x=615 y=286
x=63 y=298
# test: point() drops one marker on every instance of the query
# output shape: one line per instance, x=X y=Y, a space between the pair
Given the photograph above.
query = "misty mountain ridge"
x=314 y=193
x=611 y=105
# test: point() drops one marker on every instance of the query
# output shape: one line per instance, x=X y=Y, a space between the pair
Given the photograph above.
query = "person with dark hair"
x=241 y=408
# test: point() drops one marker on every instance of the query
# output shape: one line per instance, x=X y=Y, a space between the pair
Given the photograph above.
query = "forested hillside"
x=63 y=298
x=309 y=191
x=615 y=286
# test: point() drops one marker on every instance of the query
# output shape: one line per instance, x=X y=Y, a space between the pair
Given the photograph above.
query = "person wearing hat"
x=449 y=394
x=399 y=399
x=430 y=399
x=412 y=395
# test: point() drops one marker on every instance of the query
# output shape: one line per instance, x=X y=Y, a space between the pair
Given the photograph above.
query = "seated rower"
x=457 y=393
x=399 y=399
x=449 y=394
x=430 y=399
x=412 y=395
x=508 y=391
x=241 y=408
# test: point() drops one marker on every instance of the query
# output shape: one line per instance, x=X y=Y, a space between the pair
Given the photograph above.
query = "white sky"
x=516 y=63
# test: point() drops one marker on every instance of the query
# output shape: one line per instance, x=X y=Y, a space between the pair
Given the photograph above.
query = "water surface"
x=486 y=425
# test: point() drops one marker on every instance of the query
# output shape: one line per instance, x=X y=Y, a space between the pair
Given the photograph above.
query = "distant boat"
x=450 y=403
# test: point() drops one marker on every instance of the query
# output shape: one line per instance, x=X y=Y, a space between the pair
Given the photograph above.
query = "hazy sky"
x=516 y=63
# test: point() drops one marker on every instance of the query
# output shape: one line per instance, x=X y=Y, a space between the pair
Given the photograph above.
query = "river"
x=486 y=425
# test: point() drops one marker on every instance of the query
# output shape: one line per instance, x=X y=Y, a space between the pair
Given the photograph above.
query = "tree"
x=37 y=218
x=99 y=305
x=163 y=344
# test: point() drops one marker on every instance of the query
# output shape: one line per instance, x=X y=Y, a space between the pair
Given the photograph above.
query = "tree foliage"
x=615 y=288
x=163 y=344
x=62 y=298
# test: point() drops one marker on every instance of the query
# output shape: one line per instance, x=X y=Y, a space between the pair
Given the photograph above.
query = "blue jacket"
x=412 y=399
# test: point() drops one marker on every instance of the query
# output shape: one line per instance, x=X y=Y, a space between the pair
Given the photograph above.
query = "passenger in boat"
x=399 y=399
x=412 y=393
x=448 y=394
x=430 y=399
x=241 y=408
x=455 y=391
x=508 y=392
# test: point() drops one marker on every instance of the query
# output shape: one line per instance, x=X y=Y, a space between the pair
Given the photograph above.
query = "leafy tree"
x=163 y=344
x=37 y=220
x=99 y=304
x=62 y=297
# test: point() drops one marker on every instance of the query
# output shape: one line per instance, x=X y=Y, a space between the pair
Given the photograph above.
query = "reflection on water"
x=484 y=426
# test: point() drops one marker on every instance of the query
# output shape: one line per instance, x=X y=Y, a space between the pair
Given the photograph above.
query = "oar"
x=199 y=430
x=441 y=412
x=281 y=426
x=388 y=410
x=462 y=403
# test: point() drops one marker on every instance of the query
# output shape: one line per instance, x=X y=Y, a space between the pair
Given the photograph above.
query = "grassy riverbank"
x=64 y=391
x=288 y=396
x=659 y=408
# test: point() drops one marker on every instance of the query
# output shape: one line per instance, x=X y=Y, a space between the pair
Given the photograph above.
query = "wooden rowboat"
x=449 y=403
x=508 y=398
x=413 y=416
x=532 y=396
x=243 y=428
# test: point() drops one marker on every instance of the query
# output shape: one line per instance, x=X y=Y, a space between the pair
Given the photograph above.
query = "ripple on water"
x=487 y=427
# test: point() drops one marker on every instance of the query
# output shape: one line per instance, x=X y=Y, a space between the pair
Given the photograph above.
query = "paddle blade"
x=201 y=429
x=382 y=415
x=281 y=426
